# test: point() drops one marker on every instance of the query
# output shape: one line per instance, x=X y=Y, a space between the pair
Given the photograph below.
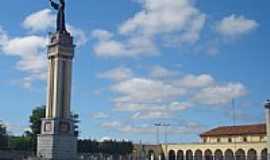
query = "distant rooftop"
x=254 y=129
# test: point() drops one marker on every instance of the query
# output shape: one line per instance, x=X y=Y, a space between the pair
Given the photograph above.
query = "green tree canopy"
x=3 y=136
x=110 y=147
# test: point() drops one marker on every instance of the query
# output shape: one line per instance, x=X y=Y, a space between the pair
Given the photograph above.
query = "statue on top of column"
x=60 y=7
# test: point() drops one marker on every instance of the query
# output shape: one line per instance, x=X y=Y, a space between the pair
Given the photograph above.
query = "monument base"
x=57 y=147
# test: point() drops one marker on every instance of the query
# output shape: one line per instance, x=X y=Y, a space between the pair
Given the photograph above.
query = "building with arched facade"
x=247 y=142
x=243 y=142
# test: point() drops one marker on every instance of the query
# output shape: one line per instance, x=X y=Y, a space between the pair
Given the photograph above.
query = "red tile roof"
x=255 y=129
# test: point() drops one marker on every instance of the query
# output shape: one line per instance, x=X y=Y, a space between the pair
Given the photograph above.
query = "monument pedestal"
x=57 y=147
x=57 y=140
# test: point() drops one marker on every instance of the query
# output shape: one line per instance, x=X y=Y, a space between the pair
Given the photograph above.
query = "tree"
x=35 y=120
x=109 y=147
x=3 y=137
x=21 y=143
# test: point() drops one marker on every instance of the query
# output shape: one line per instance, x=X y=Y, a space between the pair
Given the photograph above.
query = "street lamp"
x=166 y=125
x=157 y=125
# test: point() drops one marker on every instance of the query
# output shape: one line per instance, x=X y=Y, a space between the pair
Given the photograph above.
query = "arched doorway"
x=151 y=155
x=252 y=154
x=189 y=155
x=218 y=155
x=229 y=155
x=264 y=154
x=240 y=154
x=171 y=155
x=208 y=155
x=180 y=155
x=198 y=155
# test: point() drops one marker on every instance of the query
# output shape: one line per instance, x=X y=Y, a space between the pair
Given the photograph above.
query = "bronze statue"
x=60 y=7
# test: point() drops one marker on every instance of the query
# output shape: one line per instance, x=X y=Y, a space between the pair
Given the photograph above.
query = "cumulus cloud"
x=141 y=89
x=45 y=19
x=154 y=114
x=169 y=16
x=173 y=21
x=162 y=72
x=183 y=129
x=106 y=46
x=117 y=74
x=99 y=115
x=160 y=112
x=80 y=36
x=31 y=49
x=218 y=95
x=3 y=37
x=235 y=26
x=31 y=53
x=152 y=97
x=40 y=20
x=193 y=81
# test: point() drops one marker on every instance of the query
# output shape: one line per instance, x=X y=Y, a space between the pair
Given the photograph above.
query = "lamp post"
x=166 y=125
x=157 y=125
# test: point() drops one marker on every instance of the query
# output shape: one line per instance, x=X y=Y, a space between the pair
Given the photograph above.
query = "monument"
x=57 y=140
x=267 y=107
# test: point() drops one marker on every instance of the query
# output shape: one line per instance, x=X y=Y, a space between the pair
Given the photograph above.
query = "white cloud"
x=80 y=36
x=99 y=115
x=159 y=19
x=142 y=90
x=162 y=72
x=117 y=74
x=40 y=20
x=102 y=34
x=151 y=114
x=193 y=81
x=31 y=50
x=127 y=128
x=219 y=95
x=31 y=54
x=184 y=129
x=130 y=107
x=152 y=97
x=177 y=106
x=113 y=124
x=107 y=47
x=156 y=111
x=3 y=37
x=45 y=19
x=166 y=16
x=235 y=26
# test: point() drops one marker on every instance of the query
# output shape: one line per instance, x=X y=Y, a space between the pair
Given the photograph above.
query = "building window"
x=245 y=139
x=218 y=140
x=230 y=140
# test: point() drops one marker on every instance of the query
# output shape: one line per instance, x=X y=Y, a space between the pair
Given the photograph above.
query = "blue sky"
x=139 y=62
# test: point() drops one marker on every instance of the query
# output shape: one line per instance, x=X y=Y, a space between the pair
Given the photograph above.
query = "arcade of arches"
x=218 y=154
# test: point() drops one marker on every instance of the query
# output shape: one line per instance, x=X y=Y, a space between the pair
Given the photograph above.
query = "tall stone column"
x=267 y=107
x=57 y=140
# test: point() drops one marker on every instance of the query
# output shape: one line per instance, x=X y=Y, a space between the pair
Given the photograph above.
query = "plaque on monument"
x=48 y=127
